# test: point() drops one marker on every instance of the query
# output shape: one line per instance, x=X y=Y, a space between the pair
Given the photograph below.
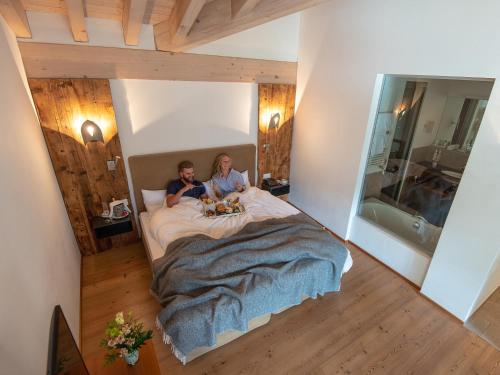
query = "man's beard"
x=189 y=179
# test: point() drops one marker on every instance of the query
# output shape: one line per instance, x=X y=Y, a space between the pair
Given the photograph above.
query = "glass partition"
x=424 y=131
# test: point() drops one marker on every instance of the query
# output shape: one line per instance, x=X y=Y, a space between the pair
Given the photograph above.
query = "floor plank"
x=377 y=324
x=485 y=322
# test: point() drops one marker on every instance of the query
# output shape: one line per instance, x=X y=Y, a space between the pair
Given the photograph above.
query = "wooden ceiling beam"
x=76 y=16
x=184 y=14
x=156 y=10
x=241 y=7
x=14 y=14
x=45 y=60
x=133 y=15
x=216 y=21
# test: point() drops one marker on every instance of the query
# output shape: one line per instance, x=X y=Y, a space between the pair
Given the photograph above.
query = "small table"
x=146 y=365
x=279 y=190
x=104 y=227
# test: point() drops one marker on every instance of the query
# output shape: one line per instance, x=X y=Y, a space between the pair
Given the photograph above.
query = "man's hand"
x=173 y=199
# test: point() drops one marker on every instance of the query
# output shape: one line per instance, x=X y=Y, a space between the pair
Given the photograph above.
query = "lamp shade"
x=274 y=121
x=91 y=132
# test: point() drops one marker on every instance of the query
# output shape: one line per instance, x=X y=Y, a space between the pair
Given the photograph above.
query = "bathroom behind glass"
x=423 y=134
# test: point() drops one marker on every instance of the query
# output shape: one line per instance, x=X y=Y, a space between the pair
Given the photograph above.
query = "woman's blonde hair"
x=216 y=168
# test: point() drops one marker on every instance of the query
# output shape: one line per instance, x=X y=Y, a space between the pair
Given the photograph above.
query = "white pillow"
x=246 y=181
x=153 y=199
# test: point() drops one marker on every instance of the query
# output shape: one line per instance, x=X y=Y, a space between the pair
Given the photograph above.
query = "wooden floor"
x=378 y=324
x=486 y=320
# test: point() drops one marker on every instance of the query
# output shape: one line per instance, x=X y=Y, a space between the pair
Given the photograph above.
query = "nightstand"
x=280 y=191
x=104 y=227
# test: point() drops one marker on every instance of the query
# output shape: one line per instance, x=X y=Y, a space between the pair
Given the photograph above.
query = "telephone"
x=117 y=209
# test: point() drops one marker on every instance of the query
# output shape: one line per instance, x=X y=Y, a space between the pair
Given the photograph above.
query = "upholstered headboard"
x=153 y=171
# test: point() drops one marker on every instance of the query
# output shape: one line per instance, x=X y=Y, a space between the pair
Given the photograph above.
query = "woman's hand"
x=217 y=192
x=239 y=187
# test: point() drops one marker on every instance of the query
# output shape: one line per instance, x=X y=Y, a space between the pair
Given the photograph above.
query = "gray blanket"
x=207 y=286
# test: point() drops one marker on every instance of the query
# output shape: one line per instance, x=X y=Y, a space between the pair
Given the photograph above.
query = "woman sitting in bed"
x=225 y=179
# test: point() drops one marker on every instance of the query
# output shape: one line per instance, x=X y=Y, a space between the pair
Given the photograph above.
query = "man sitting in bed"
x=185 y=185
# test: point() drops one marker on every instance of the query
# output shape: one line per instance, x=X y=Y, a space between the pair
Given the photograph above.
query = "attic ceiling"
x=178 y=25
x=155 y=10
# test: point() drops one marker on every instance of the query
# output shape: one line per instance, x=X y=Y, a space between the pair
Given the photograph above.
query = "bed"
x=162 y=227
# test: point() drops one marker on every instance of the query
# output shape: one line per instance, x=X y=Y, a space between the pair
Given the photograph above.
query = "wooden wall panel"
x=275 y=159
x=63 y=105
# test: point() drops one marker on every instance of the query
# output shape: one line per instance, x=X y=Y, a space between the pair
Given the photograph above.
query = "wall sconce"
x=400 y=112
x=91 y=132
x=274 y=121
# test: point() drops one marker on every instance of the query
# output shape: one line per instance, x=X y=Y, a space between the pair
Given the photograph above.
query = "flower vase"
x=132 y=357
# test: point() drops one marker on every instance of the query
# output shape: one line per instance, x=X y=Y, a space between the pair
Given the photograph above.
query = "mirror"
x=460 y=123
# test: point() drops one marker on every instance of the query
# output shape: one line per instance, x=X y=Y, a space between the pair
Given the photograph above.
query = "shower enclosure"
x=423 y=134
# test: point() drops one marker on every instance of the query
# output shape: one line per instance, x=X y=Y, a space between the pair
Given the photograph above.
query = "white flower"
x=126 y=329
x=119 y=318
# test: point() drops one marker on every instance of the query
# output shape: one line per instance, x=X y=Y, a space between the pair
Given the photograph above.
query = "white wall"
x=40 y=264
x=470 y=89
x=275 y=40
x=450 y=118
x=343 y=46
x=54 y=28
x=161 y=116
x=491 y=283
x=430 y=113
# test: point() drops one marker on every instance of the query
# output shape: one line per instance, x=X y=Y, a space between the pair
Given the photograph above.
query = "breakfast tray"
x=207 y=208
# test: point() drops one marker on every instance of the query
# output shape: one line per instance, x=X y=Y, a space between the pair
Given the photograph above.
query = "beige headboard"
x=153 y=171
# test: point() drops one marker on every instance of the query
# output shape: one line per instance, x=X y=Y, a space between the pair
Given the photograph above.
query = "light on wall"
x=274 y=121
x=400 y=111
x=91 y=132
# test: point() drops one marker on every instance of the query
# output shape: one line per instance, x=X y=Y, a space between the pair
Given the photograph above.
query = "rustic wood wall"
x=275 y=158
x=85 y=182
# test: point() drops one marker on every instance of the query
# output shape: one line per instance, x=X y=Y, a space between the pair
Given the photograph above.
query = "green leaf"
x=110 y=358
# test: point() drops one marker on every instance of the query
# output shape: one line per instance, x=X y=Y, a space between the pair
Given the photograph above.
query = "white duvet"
x=186 y=218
